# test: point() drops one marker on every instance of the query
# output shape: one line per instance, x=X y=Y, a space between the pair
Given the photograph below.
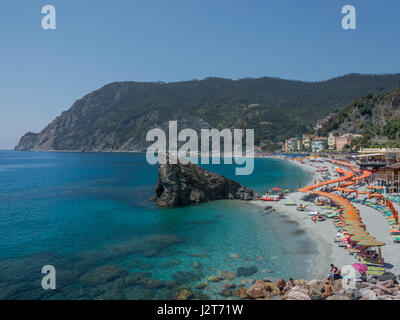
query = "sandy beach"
x=324 y=233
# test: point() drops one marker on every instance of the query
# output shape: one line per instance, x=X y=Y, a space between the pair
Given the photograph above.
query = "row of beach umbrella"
x=350 y=217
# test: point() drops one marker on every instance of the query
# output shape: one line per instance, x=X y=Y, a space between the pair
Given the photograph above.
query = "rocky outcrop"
x=182 y=185
x=385 y=289
x=257 y=290
x=297 y=293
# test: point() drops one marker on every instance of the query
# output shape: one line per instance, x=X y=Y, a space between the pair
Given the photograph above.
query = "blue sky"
x=97 y=42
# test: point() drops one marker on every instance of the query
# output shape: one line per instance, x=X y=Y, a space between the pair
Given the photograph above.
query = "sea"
x=88 y=215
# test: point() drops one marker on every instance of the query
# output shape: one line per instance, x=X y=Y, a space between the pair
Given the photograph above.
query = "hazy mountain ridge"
x=118 y=116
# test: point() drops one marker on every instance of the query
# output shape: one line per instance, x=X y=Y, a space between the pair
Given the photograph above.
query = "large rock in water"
x=182 y=185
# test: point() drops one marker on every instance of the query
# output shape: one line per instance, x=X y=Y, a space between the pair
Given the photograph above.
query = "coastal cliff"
x=182 y=185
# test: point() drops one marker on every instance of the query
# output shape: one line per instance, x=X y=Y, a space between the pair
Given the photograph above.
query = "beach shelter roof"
x=375 y=187
x=351 y=220
x=349 y=183
x=375 y=195
x=353 y=223
x=365 y=174
x=354 y=231
x=350 y=213
x=362 y=237
x=349 y=190
x=353 y=228
x=371 y=243
x=348 y=220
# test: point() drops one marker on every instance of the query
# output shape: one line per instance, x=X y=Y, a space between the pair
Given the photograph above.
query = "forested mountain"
x=118 y=116
x=377 y=118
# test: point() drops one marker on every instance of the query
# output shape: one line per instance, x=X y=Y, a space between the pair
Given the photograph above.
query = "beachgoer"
x=331 y=272
x=337 y=274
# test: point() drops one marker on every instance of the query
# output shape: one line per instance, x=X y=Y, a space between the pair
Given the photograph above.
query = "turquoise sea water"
x=87 y=214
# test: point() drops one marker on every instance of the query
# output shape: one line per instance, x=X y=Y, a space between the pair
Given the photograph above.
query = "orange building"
x=346 y=139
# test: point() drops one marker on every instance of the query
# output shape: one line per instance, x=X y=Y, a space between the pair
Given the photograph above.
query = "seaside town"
x=351 y=209
x=311 y=142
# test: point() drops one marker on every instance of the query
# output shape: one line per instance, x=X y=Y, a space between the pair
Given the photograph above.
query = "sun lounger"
x=352 y=251
x=396 y=239
x=376 y=268
x=375 y=273
x=331 y=215
x=370 y=263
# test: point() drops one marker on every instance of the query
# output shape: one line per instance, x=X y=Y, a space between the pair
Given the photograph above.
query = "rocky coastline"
x=384 y=287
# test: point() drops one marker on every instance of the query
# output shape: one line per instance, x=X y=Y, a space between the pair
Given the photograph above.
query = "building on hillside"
x=322 y=122
x=293 y=144
x=299 y=143
x=307 y=140
x=346 y=139
x=285 y=146
x=319 y=144
x=332 y=141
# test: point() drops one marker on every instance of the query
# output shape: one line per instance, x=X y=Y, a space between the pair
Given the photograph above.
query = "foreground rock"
x=258 y=290
x=182 y=185
x=385 y=289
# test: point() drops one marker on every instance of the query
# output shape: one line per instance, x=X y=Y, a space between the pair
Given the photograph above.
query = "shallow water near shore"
x=88 y=215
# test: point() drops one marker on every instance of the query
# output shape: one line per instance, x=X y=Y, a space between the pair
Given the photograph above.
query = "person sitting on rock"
x=330 y=276
x=337 y=274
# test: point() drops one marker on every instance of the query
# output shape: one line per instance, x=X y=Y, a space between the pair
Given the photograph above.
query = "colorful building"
x=292 y=144
x=319 y=144
x=332 y=141
x=307 y=140
x=346 y=139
